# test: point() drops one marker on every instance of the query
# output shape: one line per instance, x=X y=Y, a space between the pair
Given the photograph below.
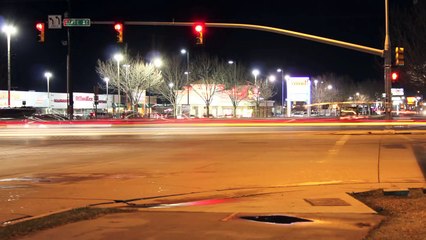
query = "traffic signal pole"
x=387 y=66
x=384 y=53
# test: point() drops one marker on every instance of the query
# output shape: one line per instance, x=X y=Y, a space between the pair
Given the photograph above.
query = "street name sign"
x=76 y=22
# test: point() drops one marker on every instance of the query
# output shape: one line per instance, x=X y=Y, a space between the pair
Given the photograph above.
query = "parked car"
x=100 y=115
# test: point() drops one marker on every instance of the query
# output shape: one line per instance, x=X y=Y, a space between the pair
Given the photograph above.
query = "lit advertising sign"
x=411 y=100
x=57 y=100
x=299 y=89
x=397 y=91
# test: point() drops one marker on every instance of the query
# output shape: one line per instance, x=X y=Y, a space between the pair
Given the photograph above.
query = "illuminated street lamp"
x=255 y=72
x=118 y=57
x=48 y=75
x=232 y=62
x=282 y=88
x=184 y=51
x=9 y=30
x=157 y=63
x=272 y=78
x=329 y=87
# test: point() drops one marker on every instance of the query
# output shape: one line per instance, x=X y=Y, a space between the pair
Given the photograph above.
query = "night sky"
x=356 y=21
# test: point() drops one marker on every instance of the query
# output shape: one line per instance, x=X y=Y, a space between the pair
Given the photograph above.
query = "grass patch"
x=405 y=215
x=55 y=220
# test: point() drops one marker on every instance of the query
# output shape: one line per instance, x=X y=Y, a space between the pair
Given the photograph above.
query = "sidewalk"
x=333 y=214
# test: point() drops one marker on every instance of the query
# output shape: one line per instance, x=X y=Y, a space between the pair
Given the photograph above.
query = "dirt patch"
x=405 y=216
x=27 y=227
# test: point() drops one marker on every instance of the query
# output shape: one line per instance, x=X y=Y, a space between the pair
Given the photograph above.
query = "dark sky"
x=356 y=21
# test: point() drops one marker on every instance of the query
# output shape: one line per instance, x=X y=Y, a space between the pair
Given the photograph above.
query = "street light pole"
x=388 y=63
x=184 y=51
x=234 y=92
x=8 y=30
x=282 y=88
x=118 y=57
x=157 y=63
x=48 y=75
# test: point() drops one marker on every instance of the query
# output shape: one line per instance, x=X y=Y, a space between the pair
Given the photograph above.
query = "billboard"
x=397 y=91
x=299 y=89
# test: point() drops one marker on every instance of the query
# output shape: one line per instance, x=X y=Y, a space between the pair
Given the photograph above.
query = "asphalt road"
x=48 y=169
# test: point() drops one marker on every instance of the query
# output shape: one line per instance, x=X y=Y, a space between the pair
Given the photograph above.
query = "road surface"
x=53 y=168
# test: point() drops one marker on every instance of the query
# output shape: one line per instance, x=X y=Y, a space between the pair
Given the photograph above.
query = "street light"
x=184 y=51
x=157 y=63
x=106 y=81
x=48 y=75
x=118 y=57
x=231 y=62
x=272 y=78
x=9 y=30
x=282 y=88
x=329 y=87
x=255 y=72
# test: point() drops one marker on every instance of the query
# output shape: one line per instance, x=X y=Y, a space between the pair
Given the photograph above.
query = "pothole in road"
x=276 y=219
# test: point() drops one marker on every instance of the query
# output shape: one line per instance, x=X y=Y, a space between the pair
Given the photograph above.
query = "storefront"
x=84 y=103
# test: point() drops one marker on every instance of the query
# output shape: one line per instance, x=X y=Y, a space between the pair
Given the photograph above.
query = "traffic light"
x=119 y=28
x=394 y=76
x=399 y=56
x=40 y=28
x=199 y=29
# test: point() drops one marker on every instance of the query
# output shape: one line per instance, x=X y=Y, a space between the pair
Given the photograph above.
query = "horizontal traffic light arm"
x=329 y=41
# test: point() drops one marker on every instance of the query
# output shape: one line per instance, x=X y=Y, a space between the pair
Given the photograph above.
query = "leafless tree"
x=262 y=92
x=136 y=78
x=236 y=85
x=409 y=32
x=174 y=79
x=208 y=78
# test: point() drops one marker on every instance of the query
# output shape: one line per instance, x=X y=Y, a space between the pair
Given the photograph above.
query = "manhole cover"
x=394 y=146
x=326 y=202
x=277 y=219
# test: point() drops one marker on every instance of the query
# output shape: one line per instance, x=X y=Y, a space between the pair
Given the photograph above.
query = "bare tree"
x=262 y=92
x=236 y=87
x=409 y=32
x=208 y=78
x=174 y=79
x=331 y=88
x=138 y=77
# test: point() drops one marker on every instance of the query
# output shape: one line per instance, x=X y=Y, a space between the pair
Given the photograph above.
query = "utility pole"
x=387 y=66
x=70 y=102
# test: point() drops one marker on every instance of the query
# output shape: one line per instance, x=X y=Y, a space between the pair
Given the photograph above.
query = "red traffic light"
x=118 y=27
x=394 y=76
x=40 y=26
x=40 y=36
x=199 y=28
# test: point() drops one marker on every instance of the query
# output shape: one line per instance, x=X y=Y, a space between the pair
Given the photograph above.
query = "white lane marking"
x=338 y=145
